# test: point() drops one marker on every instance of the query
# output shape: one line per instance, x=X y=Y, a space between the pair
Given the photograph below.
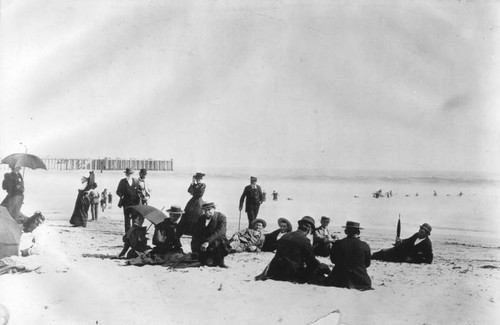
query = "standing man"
x=13 y=183
x=209 y=237
x=143 y=189
x=351 y=257
x=127 y=192
x=254 y=198
x=322 y=239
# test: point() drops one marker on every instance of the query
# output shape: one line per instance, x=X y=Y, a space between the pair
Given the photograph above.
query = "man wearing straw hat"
x=416 y=249
x=351 y=257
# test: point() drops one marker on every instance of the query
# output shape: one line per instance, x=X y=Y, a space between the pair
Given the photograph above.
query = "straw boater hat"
x=427 y=227
x=309 y=220
x=263 y=222
x=288 y=224
x=208 y=205
x=128 y=171
x=352 y=224
x=175 y=209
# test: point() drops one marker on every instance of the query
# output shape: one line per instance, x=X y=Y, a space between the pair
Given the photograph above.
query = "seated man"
x=322 y=239
x=209 y=241
x=249 y=239
x=135 y=239
x=271 y=239
x=166 y=237
x=351 y=257
x=416 y=249
x=294 y=260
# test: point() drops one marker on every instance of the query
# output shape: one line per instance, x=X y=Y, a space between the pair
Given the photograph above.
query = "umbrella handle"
x=239 y=221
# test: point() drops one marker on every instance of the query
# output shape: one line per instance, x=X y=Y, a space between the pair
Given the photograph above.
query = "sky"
x=382 y=85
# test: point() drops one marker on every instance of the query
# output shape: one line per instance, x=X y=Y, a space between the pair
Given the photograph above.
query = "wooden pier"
x=107 y=164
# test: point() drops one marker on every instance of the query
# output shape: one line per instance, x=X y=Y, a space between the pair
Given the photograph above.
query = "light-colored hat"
x=352 y=224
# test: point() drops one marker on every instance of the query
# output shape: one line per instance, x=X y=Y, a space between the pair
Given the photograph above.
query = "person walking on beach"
x=322 y=239
x=351 y=257
x=209 y=241
x=415 y=249
x=143 y=189
x=13 y=183
x=94 y=197
x=254 y=198
x=80 y=214
x=193 y=209
x=294 y=260
x=127 y=192
x=271 y=239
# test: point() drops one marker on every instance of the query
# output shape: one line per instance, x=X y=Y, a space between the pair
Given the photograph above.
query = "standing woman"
x=193 y=208
x=81 y=211
x=13 y=183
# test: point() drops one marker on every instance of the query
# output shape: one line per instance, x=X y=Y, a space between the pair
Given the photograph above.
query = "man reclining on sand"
x=249 y=239
x=416 y=249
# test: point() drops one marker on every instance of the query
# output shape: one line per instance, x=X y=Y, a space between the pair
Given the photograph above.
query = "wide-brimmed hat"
x=198 y=175
x=208 y=205
x=309 y=220
x=427 y=227
x=175 y=209
x=352 y=224
x=128 y=171
x=288 y=224
x=262 y=221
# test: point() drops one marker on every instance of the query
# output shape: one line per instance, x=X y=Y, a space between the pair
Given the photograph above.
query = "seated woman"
x=271 y=239
x=135 y=240
x=249 y=239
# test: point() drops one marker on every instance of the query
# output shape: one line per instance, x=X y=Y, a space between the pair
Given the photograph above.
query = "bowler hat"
x=263 y=222
x=253 y=178
x=309 y=220
x=288 y=224
x=427 y=227
x=175 y=209
x=208 y=205
x=352 y=224
x=198 y=175
x=128 y=171
x=325 y=218
x=143 y=171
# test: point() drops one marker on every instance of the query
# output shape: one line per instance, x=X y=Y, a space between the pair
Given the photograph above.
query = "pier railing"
x=107 y=164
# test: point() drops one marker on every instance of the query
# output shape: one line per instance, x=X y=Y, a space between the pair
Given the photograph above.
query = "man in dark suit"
x=254 y=198
x=294 y=260
x=351 y=257
x=166 y=237
x=271 y=241
x=127 y=191
x=416 y=249
x=209 y=241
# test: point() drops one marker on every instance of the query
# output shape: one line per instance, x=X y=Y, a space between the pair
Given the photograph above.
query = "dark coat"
x=128 y=194
x=294 y=260
x=408 y=252
x=213 y=232
x=166 y=238
x=135 y=240
x=13 y=183
x=351 y=257
x=254 y=197
x=271 y=242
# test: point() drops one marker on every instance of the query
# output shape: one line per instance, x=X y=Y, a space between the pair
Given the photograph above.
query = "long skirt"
x=13 y=204
x=81 y=211
x=192 y=213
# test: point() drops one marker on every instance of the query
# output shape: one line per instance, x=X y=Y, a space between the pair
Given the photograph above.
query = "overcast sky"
x=407 y=85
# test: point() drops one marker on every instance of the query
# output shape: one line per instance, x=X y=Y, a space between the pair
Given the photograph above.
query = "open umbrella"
x=148 y=212
x=10 y=234
x=24 y=160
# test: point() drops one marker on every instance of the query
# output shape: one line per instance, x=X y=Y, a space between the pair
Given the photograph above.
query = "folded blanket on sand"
x=171 y=260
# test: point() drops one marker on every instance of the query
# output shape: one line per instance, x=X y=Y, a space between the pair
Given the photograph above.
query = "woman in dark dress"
x=80 y=213
x=193 y=208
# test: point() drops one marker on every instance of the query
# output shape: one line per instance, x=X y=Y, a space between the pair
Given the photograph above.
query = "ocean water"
x=341 y=195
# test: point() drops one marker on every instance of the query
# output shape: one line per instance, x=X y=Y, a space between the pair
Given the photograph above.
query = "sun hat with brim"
x=208 y=205
x=262 y=221
x=352 y=224
x=309 y=220
x=427 y=227
x=288 y=224
x=128 y=171
x=175 y=209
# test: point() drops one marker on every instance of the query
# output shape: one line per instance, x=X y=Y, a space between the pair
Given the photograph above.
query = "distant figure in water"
x=460 y=194
x=416 y=249
x=275 y=196
x=435 y=193
x=416 y=194
x=390 y=193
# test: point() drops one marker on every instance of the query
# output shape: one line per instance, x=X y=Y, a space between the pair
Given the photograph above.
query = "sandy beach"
x=460 y=287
